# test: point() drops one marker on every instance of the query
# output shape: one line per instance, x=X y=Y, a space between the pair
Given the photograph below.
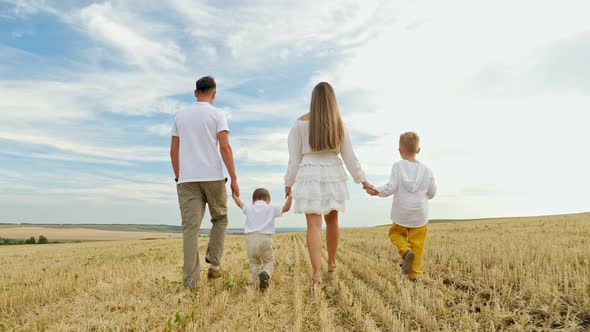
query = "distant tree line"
x=32 y=240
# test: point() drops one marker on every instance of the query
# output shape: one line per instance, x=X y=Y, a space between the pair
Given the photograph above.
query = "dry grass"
x=529 y=274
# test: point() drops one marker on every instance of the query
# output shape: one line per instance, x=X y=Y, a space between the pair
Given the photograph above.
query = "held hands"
x=371 y=192
x=370 y=189
x=287 y=192
x=237 y=200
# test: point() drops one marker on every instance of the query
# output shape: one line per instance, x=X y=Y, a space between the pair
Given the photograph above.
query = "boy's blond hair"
x=409 y=142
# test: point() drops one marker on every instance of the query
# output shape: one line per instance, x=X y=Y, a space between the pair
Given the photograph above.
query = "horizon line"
x=430 y=220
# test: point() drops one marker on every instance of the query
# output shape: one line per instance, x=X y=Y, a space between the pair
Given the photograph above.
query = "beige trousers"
x=260 y=256
x=192 y=198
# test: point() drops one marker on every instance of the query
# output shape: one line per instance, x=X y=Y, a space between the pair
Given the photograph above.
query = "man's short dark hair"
x=260 y=194
x=206 y=84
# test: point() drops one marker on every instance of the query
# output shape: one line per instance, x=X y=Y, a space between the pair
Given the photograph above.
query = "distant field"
x=106 y=227
x=89 y=232
x=80 y=234
x=558 y=217
x=505 y=274
x=178 y=229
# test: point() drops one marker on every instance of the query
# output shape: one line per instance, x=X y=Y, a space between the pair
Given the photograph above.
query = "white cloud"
x=481 y=82
x=67 y=157
x=41 y=101
x=248 y=109
x=160 y=129
x=71 y=146
x=121 y=29
x=262 y=146
x=264 y=33
x=419 y=79
x=100 y=187
x=26 y=8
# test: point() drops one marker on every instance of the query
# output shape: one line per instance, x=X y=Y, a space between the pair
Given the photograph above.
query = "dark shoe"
x=215 y=274
x=264 y=280
x=408 y=262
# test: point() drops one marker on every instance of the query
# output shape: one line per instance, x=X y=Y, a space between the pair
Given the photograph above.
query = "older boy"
x=412 y=185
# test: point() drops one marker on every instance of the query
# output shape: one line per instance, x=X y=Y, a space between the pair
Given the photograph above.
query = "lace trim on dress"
x=338 y=196
x=317 y=207
x=322 y=164
x=320 y=212
x=321 y=178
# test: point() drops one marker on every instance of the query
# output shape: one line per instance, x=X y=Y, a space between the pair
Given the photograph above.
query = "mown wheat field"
x=521 y=274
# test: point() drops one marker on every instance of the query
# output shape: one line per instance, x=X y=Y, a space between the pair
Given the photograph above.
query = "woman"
x=317 y=175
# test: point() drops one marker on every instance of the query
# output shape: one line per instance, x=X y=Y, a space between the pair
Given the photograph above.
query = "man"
x=197 y=133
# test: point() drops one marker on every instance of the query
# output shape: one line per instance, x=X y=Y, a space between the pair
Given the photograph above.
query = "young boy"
x=412 y=185
x=260 y=226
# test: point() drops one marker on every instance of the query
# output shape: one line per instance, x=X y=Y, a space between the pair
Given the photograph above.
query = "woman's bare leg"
x=332 y=235
x=314 y=244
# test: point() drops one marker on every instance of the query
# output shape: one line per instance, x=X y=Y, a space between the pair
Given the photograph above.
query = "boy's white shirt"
x=412 y=185
x=260 y=217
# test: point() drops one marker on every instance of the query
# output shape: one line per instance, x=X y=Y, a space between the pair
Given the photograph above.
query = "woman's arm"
x=295 y=148
x=287 y=205
x=351 y=161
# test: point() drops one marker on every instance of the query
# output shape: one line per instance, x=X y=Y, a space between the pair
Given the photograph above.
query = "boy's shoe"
x=264 y=280
x=408 y=262
x=215 y=274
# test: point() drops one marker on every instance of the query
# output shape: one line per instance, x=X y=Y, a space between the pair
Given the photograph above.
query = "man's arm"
x=174 y=155
x=228 y=159
x=287 y=205
x=238 y=201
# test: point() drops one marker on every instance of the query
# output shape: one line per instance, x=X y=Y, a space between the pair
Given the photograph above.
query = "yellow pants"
x=405 y=238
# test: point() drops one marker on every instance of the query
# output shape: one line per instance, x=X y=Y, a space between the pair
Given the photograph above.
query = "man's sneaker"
x=214 y=274
x=408 y=262
x=264 y=280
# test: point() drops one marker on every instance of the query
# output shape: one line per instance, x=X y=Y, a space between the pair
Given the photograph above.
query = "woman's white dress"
x=318 y=178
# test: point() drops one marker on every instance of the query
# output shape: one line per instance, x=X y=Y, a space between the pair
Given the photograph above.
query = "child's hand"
x=372 y=191
x=238 y=201
x=367 y=185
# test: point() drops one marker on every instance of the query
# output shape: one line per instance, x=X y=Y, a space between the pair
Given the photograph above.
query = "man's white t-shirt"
x=197 y=128
x=260 y=217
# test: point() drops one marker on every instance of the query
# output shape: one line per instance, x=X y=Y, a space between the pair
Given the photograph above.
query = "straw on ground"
x=530 y=274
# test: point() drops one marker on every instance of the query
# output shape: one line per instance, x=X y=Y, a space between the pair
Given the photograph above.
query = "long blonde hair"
x=326 y=131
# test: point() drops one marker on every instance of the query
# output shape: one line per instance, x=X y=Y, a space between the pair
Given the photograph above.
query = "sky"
x=499 y=92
